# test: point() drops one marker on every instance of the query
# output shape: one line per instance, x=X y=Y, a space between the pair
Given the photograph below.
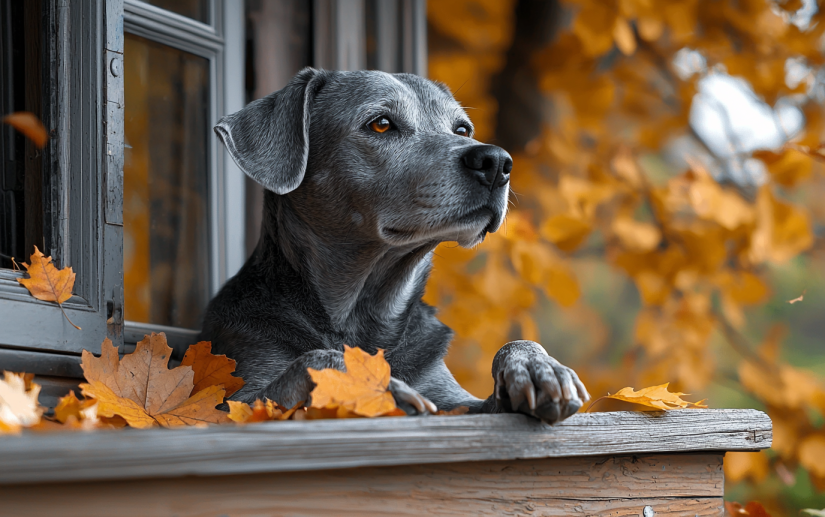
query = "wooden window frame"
x=80 y=110
x=83 y=71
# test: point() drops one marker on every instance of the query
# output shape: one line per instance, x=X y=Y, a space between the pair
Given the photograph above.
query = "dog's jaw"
x=468 y=230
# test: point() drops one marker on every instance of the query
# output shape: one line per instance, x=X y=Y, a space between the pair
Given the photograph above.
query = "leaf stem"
x=594 y=403
x=67 y=316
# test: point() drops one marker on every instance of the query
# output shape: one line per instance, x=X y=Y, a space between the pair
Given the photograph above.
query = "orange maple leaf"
x=211 y=370
x=362 y=389
x=48 y=283
x=75 y=413
x=28 y=124
x=655 y=396
x=243 y=413
x=144 y=391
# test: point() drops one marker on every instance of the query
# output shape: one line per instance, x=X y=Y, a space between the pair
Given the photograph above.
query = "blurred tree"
x=666 y=167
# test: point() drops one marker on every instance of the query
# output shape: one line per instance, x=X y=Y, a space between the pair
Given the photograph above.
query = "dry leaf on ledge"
x=18 y=402
x=211 y=370
x=361 y=390
x=242 y=413
x=48 y=283
x=144 y=391
x=657 y=397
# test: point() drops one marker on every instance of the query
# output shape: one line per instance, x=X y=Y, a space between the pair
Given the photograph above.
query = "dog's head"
x=390 y=157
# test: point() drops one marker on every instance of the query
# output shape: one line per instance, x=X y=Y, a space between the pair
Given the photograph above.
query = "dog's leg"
x=294 y=385
x=529 y=381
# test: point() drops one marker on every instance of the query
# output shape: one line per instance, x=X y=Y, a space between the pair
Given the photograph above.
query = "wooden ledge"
x=335 y=444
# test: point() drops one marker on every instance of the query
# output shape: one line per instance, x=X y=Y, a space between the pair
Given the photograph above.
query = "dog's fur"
x=351 y=219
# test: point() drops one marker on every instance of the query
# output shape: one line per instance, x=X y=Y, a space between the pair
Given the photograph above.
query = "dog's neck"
x=361 y=284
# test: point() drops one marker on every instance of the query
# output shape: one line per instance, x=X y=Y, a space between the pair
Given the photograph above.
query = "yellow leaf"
x=67 y=406
x=28 y=124
x=594 y=27
x=18 y=406
x=812 y=454
x=650 y=29
x=110 y=404
x=789 y=167
x=565 y=231
x=623 y=36
x=656 y=397
x=743 y=287
x=197 y=409
x=46 y=282
x=362 y=389
x=783 y=230
x=562 y=284
x=239 y=412
x=636 y=236
x=788 y=387
x=243 y=413
x=746 y=465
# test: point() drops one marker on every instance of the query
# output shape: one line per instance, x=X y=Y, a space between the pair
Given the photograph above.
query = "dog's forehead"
x=402 y=94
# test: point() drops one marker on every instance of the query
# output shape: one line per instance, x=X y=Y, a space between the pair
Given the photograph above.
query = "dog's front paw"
x=412 y=402
x=530 y=381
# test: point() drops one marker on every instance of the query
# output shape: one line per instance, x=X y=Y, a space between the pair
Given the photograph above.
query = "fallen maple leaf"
x=74 y=413
x=655 y=396
x=144 y=391
x=18 y=403
x=48 y=283
x=243 y=413
x=28 y=124
x=362 y=389
x=211 y=370
x=67 y=407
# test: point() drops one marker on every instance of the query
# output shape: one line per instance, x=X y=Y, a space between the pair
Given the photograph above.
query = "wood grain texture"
x=330 y=444
x=672 y=485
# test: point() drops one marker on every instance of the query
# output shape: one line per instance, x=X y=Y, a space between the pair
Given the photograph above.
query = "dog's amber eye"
x=462 y=131
x=380 y=125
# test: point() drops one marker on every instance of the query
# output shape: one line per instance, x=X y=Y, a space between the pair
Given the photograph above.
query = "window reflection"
x=195 y=9
x=165 y=216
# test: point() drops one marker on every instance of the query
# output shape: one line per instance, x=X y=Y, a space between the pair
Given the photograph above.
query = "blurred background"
x=667 y=195
x=668 y=207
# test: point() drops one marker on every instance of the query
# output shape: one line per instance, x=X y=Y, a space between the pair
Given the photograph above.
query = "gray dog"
x=365 y=174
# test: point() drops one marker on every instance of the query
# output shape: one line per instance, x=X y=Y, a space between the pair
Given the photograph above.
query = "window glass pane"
x=21 y=177
x=195 y=9
x=165 y=215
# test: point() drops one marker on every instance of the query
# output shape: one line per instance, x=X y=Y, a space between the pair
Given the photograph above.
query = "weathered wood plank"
x=677 y=485
x=315 y=445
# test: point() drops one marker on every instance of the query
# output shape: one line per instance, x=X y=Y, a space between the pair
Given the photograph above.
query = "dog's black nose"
x=489 y=165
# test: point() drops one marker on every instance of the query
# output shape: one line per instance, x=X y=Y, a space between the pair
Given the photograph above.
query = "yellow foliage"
x=746 y=465
x=596 y=185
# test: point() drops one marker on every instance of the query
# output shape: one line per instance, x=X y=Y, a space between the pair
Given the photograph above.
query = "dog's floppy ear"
x=269 y=138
